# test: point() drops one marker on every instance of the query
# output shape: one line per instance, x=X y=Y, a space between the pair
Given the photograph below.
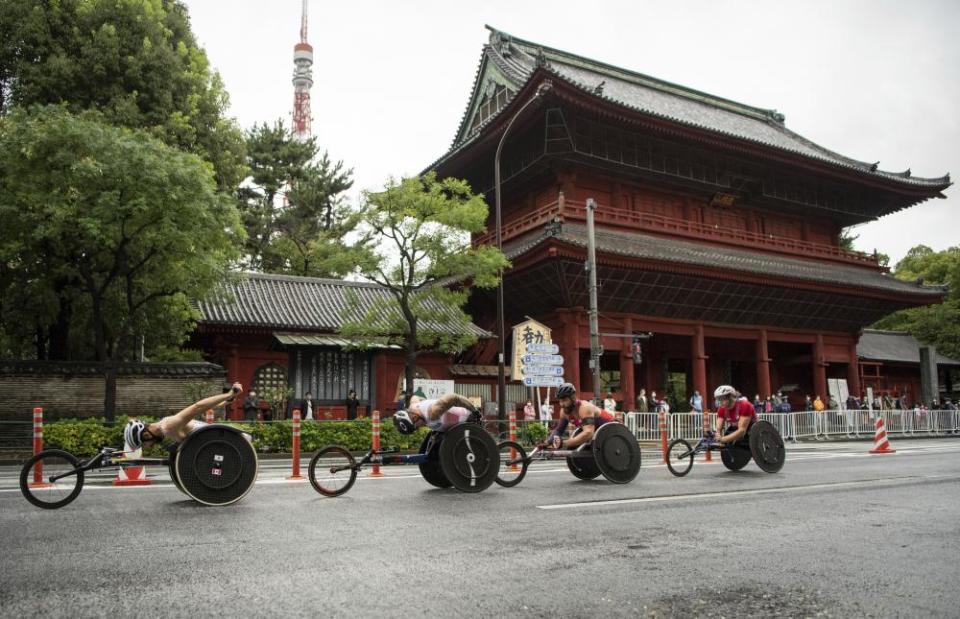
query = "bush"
x=532 y=433
x=85 y=437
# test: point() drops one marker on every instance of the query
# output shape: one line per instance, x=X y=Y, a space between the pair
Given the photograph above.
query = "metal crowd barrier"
x=809 y=425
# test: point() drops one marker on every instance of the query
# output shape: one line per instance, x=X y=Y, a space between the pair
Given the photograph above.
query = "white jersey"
x=450 y=418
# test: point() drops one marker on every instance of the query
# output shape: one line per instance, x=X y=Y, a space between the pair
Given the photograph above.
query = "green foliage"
x=532 y=433
x=303 y=236
x=117 y=227
x=85 y=437
x=135 y=61
x=938 y=325
x=416 y=239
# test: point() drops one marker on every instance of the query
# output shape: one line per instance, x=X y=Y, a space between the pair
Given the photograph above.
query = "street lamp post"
x=501 y=378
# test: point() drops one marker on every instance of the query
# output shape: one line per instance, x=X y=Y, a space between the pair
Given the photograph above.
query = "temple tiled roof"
x=747 y=261
x=517 y=60
x=894 y=346
x=290 y=303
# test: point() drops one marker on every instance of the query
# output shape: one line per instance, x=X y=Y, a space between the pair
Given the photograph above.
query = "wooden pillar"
x=819 y=370
x=698 y=360
x=763 y=365
x=626 y=370
x=853 y=372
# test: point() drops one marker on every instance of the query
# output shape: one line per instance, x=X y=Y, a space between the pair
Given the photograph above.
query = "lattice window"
x=269 y=376
x=490 y=105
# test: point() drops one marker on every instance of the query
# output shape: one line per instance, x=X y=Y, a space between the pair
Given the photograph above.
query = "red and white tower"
x=302 y=81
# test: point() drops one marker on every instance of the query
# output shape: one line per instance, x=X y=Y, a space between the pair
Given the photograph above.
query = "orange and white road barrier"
x=706 y=428
x=880 y=443
x=512 y=427
x=618 y=415
x=37 y=448
x=295 y=475
x=662 y=415
x=375 y=439
x=208 y=416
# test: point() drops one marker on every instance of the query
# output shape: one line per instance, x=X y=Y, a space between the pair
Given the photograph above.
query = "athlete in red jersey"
x=734 y=415
x=581 y=414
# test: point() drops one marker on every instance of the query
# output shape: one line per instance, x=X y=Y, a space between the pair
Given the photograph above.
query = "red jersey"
x=741 y=408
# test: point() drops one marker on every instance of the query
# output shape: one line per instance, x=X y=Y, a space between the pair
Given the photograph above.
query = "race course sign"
x=541 y=366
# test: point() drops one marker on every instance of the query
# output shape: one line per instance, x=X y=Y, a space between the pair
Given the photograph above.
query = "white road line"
x=729 y=493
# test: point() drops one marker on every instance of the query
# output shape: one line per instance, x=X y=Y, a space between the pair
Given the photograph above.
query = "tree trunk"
x=60 y=333
x=410 y=364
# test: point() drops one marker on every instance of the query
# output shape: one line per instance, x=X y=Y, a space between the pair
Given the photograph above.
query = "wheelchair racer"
x=174 y=428
x=581 y=414
x=438 y=414
x=734 y=415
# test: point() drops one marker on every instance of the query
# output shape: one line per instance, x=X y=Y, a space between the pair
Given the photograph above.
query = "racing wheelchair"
x=763 y=444
x=464 y=457
x=215 y=465
x=613 y=453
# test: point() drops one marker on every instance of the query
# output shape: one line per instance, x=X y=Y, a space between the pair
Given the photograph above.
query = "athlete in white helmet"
x=175 y=428
x=734 y=415
x=438 y=414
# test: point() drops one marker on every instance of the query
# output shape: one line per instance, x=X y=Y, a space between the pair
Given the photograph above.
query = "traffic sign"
x=542 y=360
x=543 y=370
x=542 y=381
x=543 y=349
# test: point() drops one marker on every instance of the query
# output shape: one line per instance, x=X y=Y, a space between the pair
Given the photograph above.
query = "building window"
x=269 y=376
x=490 y=105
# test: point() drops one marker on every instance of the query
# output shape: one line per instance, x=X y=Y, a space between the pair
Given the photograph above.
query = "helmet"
x=566 y=390
x=132 y=432
x=723 y=391
x=403 y=423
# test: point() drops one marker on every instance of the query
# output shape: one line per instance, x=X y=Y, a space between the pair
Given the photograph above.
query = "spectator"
x=758 y=405
x=306 y=407
x=768 y=404
x=352 y=403
x=609 y=404
x=529 y=413
x=808 y=405
x=642 y=406
x=402 y=400
x=817 y=404
x=546 y=414
x=251 y=406
x=696 y=402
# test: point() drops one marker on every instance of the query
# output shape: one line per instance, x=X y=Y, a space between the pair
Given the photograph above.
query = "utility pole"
x=591 y=266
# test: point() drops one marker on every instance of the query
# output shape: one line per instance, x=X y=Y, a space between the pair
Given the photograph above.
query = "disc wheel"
x=332 y=471
x=766 y=446
x=679 y=457
x=43 y=467
x=735 y=457
x=583 y=465
x=616 y=452
x=431 y=470
x=513 y=464
x=469 y=457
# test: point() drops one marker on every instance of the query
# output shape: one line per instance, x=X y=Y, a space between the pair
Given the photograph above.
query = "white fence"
x=809 y=425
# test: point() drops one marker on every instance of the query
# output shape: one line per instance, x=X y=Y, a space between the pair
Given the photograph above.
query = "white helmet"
x=132 y=432
x=403 y=423
x=723 y=391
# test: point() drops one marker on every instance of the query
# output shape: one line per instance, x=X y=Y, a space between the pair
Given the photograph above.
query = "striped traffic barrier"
x=662 y=415
x=512 y=429
x=375 y=437
x=880 y=443
x=37 y=448
x=296 y=446
x=208 y=416
x=706 y=428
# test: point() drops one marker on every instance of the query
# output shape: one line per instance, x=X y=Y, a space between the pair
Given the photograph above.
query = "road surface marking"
x=729 y=493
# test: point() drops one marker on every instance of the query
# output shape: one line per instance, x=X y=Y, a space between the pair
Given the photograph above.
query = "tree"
x=938 y=325
x=135 y=61
x=112 y=220
x=291 y=206
x=417 y=247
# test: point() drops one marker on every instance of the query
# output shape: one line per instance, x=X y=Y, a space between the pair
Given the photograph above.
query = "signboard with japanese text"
x=527 y=333
x=542 y=381
x=431 y=389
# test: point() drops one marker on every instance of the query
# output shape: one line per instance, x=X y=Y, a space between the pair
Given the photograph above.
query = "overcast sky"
x=876 y=80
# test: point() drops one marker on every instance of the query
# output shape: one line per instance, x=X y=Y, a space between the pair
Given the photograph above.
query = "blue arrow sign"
x=542 y=360
x=542 y=381
x=543 y=370
x=543 y=349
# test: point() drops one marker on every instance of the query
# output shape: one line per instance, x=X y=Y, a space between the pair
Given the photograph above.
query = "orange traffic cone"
x=880 y=443
x=132 y=475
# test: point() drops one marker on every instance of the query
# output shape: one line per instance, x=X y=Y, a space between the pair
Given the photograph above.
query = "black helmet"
x=403 y=423
x=566 y=390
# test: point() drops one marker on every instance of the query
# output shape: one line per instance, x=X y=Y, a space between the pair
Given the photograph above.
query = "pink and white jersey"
x=452 y=416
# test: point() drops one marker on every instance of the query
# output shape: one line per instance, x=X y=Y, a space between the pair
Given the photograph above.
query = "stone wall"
x=67 y=390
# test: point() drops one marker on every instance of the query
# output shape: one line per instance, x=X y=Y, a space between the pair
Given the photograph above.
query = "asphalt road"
x=837 y=533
